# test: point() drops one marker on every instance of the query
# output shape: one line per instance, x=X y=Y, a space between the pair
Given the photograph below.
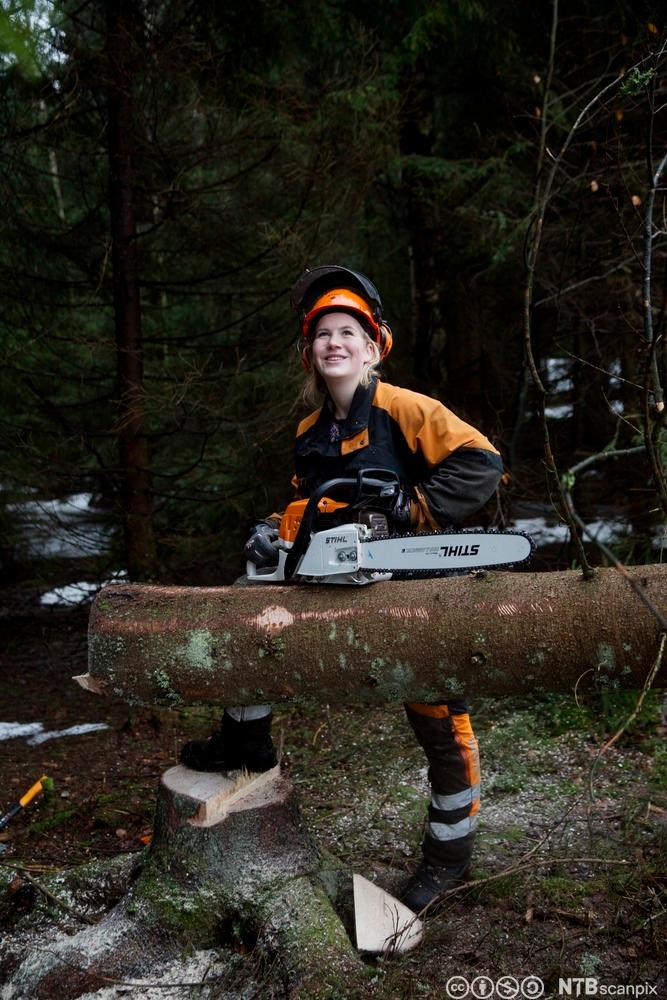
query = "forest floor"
x=569 y=876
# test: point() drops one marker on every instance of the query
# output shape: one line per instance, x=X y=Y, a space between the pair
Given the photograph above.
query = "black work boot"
x=430 y=881
x=246 y=744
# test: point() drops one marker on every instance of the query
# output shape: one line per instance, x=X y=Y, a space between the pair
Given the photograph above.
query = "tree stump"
x=232 y=865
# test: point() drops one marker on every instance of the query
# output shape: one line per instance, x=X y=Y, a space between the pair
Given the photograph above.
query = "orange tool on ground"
x=23 y=801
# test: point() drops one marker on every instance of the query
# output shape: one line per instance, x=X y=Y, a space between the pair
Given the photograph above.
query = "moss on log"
x=497 y=634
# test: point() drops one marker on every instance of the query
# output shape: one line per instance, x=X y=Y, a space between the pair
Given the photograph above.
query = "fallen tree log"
x=496 y=634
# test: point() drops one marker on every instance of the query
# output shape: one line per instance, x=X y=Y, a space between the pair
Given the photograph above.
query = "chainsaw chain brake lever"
x=367 y=487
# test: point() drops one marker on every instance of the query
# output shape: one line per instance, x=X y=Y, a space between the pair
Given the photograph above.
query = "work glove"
x=259 y=548
x=402 y=511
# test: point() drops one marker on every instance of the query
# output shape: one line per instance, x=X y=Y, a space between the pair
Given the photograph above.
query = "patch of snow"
x=559 y=382
x=77 y=593
x=544 y=533
x=559 y=412
x=71 y=593
x=607 y=531
x=12 y=730
x=203 y=970
x=99 y=940
x=540 y=531
x=616 y=406
x=66 y=527
x=559 y=374
x=34 y=731
x=53 y=734
x=660 y=539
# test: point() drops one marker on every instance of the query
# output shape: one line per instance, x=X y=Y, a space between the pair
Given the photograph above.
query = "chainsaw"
x=324 y=540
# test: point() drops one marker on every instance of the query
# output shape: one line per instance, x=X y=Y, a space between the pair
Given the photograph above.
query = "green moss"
x=402 y=674
x=658 y=773
x=606 y=657
x=57 y=819
x=505 y=784
x=199 y=650
x=452 y=687
x=309 y=929
x=513 y=834
x=273 y=647
x=166 y=694
x=194 y=913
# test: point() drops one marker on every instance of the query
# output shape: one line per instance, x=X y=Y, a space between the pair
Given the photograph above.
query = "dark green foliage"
x=402 y=139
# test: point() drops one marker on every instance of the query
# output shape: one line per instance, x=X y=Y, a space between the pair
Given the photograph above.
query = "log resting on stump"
x=495 y=634
x=254 y=879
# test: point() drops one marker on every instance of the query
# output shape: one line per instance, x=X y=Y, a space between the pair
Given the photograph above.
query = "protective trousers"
x=445 y=733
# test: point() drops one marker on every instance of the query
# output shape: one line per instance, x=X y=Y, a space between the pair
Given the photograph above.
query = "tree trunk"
x=133 y=447
x=497 y=634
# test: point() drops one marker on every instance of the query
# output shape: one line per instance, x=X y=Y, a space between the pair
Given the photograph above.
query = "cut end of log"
x=383 y=924
x=90 y=683
x=215 y=795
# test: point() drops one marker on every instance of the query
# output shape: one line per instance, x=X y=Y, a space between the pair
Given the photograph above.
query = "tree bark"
x=133 y=447
x=498 y=634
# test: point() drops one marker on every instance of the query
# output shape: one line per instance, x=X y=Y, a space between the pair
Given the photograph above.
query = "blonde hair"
x=315 y=387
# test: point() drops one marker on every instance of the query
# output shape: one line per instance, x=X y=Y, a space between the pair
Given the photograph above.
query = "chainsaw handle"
x=369 y=484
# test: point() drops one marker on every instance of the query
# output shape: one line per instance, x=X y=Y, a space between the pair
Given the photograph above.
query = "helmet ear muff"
x=386 y=340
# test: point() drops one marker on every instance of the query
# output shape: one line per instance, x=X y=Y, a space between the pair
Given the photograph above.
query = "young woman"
x=447 y=470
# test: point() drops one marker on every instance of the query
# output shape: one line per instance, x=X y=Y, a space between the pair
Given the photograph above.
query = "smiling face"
x=341 y=348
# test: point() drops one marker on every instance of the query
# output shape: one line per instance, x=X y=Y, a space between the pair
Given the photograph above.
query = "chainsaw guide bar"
x=345 y=554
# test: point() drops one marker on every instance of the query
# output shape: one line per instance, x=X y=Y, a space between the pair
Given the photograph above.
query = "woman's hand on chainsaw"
x=260 y=548
x=403 y=512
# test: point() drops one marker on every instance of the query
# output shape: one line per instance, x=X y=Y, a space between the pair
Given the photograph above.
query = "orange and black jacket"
x=449 y=467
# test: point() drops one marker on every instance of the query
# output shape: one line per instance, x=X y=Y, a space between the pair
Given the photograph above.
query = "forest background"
x=169 y=169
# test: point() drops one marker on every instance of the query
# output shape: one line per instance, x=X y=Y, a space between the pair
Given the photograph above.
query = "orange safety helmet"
x=331 y=288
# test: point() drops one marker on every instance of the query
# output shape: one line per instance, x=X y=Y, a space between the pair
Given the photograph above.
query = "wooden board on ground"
x=383 y=924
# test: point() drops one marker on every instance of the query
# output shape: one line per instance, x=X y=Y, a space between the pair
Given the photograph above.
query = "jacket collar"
x=360 y=410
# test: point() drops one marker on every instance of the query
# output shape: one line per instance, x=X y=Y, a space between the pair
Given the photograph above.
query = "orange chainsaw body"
x=291 y=519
